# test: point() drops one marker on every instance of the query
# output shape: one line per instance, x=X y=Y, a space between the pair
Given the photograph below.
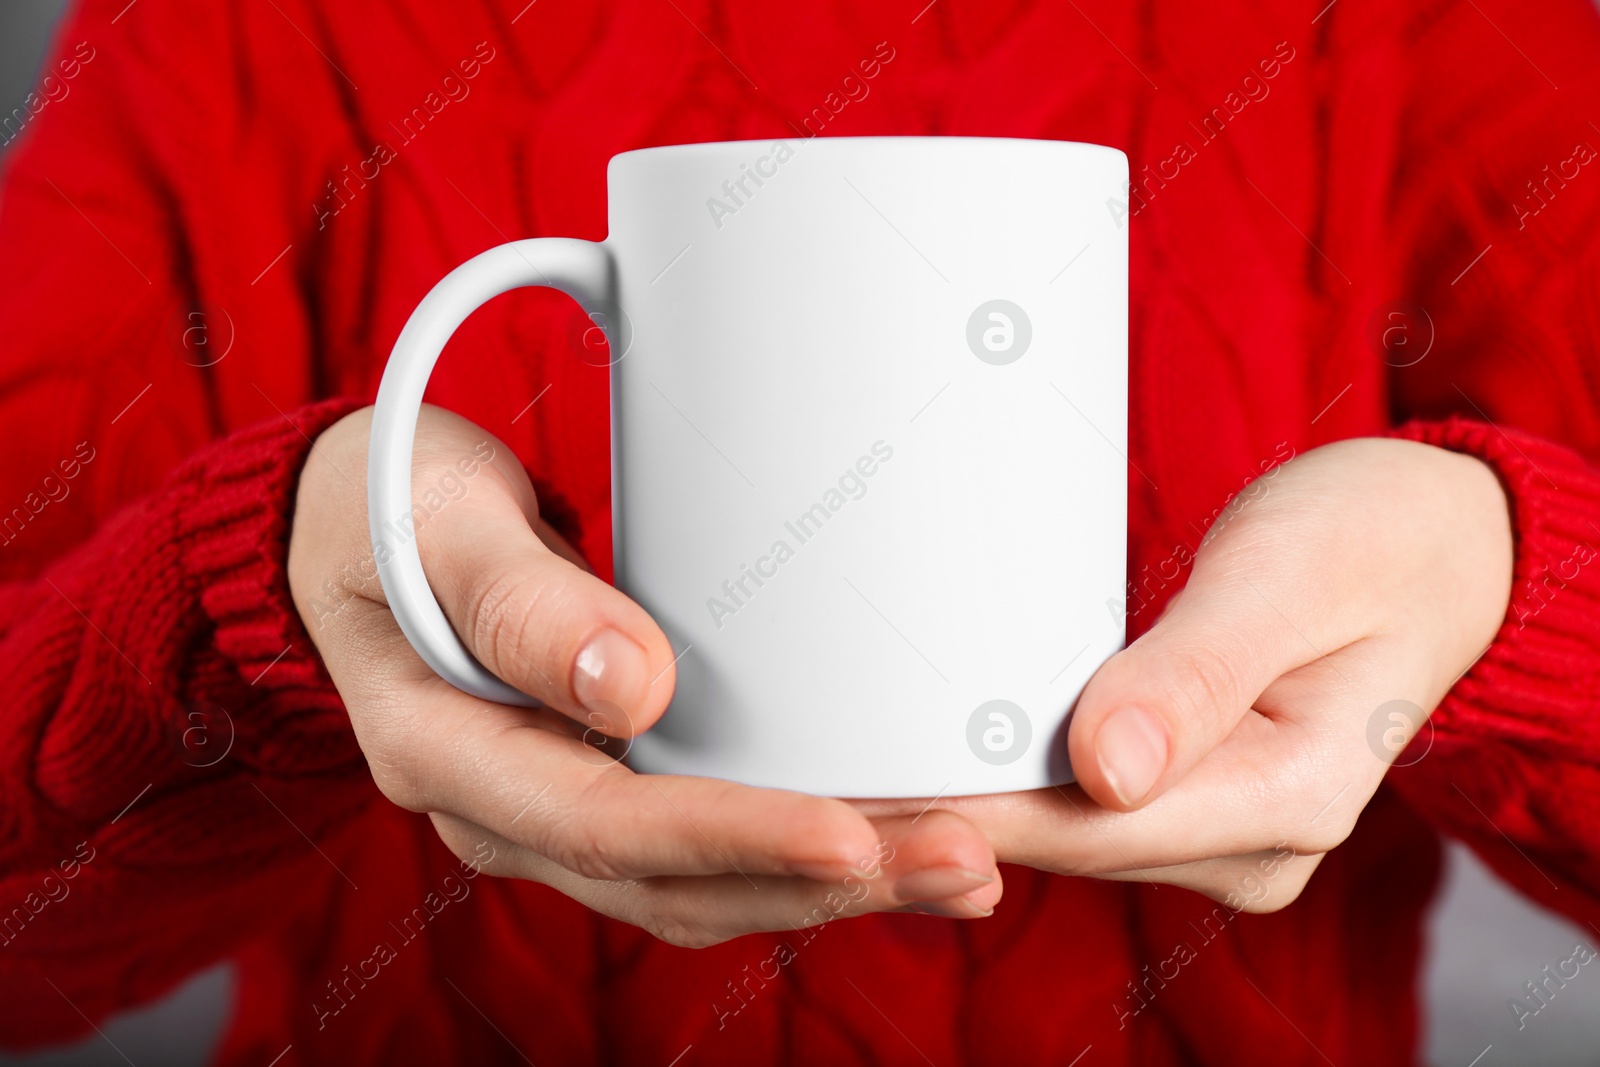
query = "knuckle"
x=401 y=791
x=1281 y=895
x=401 y=785
x=1284 y=886
x=1072 y=864
x=497 y=606
x=678 y=932
x=1317 y=840
x=505 y=618
x=589 y=858
x=395 y=762
x=584 y=848
x=457 y=838
x=1208 y=684
x=1315 y=803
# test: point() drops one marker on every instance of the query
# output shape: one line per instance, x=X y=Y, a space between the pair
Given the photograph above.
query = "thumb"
x=542 y=622
x=1159 y=706
x=524 y=603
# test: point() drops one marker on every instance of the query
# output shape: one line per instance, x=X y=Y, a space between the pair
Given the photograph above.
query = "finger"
x=1269 y=784
x=513 y=589
x=433 y=748
x=510 y=586
x=1257 y=883
x=907 y=866
x=1154 y=710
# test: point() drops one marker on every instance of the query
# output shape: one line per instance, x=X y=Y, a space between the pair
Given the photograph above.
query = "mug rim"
x=692 y=148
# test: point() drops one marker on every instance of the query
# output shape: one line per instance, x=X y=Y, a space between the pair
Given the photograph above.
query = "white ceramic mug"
x=869 y=422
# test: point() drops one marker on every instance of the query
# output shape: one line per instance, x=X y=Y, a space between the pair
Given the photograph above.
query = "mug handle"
x=584 y=271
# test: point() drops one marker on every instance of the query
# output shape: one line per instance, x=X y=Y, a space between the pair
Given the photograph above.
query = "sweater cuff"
x=1535 y=682
x=235 y=533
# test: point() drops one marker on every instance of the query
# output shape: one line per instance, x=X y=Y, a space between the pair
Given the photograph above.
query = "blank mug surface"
x=869 y=437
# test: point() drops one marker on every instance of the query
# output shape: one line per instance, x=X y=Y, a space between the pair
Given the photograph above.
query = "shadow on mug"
x=1059 y=764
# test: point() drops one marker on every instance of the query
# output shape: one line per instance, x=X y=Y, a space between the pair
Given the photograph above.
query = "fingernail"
x=959 y=908
x=611 y=676
x=1133 y=752
x=937 y=883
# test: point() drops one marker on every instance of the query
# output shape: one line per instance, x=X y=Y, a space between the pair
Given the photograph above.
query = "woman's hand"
x=1230 y=747
x=535 y=793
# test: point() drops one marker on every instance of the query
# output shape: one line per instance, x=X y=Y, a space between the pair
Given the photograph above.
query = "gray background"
x=24 y=28
x=1485 y=941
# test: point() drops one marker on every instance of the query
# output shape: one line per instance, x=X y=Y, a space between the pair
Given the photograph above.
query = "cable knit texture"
x=180 y=784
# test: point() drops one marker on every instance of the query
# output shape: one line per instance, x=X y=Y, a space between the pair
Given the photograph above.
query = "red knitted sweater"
x=203 y=183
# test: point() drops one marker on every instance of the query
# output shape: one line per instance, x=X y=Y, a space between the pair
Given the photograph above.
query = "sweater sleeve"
x=1496 y=200
x=1510 y=761
x=174 y=756
x=172 y=745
